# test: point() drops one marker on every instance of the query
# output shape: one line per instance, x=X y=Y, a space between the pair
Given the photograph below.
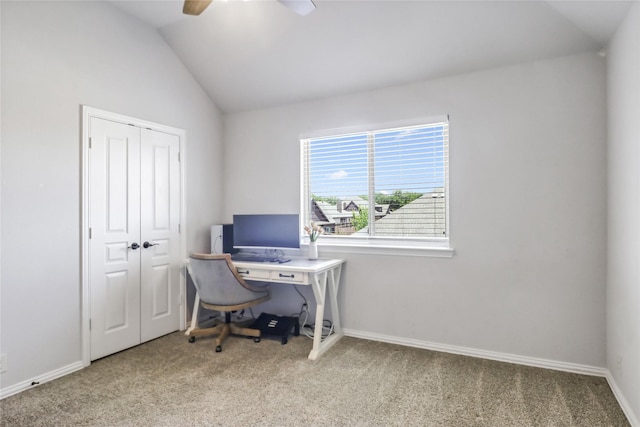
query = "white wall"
x=623 y=278
x=528 y=213
x=57 y=56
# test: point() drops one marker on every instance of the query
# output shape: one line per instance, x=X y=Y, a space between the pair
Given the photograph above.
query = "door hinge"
x=179 y=156
x=89 y=232
x=179 y=228
x=89 y=324
x=89 y=143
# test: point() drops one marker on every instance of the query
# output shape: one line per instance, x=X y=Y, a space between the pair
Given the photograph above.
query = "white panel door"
x=134 y=248
x=115 y=233
x=160 y=253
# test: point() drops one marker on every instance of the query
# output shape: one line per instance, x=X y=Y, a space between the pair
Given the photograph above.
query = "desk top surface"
x=302 y=264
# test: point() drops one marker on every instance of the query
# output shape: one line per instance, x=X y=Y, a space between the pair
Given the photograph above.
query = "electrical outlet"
x=3 y=363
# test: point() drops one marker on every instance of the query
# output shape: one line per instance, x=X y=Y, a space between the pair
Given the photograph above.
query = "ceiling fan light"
x=301 y=7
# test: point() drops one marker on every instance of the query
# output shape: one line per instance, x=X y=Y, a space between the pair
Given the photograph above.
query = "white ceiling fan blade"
x=301 y=7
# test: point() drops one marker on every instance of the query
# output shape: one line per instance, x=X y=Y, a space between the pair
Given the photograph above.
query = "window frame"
x=406 y=246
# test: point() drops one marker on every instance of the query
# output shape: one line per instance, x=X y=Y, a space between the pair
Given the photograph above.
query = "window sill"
x=398 y=248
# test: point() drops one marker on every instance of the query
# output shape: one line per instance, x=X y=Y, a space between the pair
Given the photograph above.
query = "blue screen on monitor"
x=266 y=231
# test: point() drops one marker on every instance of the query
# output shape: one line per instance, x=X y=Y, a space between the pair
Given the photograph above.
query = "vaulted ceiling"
x=257 y=53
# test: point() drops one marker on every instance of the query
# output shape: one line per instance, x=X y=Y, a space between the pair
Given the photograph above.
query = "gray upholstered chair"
x=219 y=287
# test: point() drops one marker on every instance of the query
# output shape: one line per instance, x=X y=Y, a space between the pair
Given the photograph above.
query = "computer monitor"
x=266 y=231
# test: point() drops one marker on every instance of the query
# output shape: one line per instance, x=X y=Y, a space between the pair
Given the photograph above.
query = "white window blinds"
x=384 y=183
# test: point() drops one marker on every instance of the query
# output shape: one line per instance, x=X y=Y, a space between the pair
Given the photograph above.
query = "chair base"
x=223 y=330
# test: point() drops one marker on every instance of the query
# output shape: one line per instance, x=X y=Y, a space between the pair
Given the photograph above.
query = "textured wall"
x=57 y=56
x=623 y=275
x=528 y=208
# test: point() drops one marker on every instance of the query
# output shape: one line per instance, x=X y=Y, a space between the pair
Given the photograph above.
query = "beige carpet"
x=169 y=382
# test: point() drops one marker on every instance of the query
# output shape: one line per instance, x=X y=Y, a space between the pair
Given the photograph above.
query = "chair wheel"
x=256 y=339
x=218 y=349
x=192 y=339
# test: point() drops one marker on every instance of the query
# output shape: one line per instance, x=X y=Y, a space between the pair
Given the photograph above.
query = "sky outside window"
x=338 y=166
x=408 y=159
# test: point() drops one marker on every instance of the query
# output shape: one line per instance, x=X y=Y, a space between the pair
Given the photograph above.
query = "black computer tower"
x=222 y=239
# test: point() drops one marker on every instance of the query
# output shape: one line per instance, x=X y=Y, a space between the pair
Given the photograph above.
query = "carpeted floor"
x=169 y=382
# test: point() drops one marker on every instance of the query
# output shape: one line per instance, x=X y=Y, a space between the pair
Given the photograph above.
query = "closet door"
x=160 y=254
x=134 y=248
x=114 y=237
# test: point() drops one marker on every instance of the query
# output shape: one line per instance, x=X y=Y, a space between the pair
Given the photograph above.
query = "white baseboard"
x=626 y=408
x=483 y=354
x=41 y=379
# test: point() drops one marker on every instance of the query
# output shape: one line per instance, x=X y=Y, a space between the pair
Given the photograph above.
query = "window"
x=386 y=184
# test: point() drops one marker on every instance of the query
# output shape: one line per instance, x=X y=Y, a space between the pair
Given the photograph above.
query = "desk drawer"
x=288 y=276
x=253 y=273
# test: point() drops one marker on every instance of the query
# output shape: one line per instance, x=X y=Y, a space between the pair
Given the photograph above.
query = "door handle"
x=148 y=245
x=133 y=246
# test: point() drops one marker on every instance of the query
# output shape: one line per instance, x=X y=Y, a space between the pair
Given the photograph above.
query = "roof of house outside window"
x=423 y=217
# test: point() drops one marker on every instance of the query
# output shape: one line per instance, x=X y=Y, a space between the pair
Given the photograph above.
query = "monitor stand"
x=276 y=255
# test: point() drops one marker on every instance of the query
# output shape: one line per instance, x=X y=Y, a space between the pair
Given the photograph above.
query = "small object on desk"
x=251 y=257
x=313 y=251
x=283 y=260
x=279 y=326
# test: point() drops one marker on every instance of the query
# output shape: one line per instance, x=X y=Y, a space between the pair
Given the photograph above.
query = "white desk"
x=320 y=274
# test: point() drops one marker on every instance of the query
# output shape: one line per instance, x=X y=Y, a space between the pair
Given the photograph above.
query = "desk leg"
x=319 y=285
x=334 y=283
